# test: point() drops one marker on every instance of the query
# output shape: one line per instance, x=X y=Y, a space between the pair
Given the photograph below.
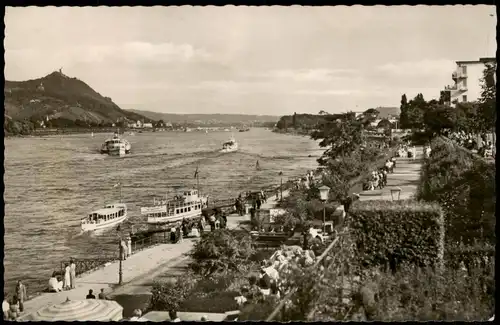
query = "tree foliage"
x=221 y=251
x=341 y=134
x=169 y=295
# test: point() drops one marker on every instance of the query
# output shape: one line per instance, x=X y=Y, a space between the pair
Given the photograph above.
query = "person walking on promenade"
x=201 y=228
x=179 y=234
x=90 y=295
x=21 y=295
x=14 y=311
x=101 y=295
x=258 y=203
x=123 y=250
x=5 y=307
x=172 y=234
x=72 y=268
x=67 y=277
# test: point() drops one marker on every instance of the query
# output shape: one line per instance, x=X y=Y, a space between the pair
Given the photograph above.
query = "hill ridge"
x=61 y=101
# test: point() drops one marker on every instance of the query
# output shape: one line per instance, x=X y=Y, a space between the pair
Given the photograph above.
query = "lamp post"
x=281 y=186
x=323 y=193
x=120 y=265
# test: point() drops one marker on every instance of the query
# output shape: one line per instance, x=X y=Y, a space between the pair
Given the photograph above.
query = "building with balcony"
x=467 y=81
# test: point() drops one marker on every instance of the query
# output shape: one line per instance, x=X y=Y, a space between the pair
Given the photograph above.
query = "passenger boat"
x=187 y=206
x=230 y=146
x=110 y=215
x=116 y=146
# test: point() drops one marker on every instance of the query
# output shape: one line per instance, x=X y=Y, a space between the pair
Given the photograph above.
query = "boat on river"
x=110 y=215
x=187 y=206
x=116 y=146
x=230 y=146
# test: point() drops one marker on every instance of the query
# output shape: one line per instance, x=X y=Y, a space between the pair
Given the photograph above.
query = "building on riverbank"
x=467 y=81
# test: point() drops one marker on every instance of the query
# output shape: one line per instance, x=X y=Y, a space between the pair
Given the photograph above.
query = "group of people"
x=470 y=141
x=378 y=178
x=101 y=295
x=181 y=230
x=13 y=307
x=407 y=151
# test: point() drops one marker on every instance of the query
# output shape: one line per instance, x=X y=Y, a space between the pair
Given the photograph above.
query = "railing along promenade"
x=336 y=242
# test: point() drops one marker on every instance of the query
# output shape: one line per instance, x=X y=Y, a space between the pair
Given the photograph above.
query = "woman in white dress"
x=67 y=277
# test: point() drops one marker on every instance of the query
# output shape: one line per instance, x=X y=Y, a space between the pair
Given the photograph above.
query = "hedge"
x=464 y=185
x=215 y=302
x=392 y=232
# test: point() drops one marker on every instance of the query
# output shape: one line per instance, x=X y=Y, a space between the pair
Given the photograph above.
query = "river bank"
x=51 y=184
x=139 y=272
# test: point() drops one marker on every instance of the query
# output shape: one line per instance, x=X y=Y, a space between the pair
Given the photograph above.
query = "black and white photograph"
x=250 y=163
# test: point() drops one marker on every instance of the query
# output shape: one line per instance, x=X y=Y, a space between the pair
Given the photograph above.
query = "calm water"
x=52 y=182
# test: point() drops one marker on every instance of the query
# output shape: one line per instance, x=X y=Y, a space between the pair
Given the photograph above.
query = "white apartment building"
x=467 y=78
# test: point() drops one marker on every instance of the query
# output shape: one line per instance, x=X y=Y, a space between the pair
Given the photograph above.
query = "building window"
x=464 y=98
x=464 y=69
x=465 y=82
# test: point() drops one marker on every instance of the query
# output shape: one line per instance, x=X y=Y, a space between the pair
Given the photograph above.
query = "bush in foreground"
x=221 y=251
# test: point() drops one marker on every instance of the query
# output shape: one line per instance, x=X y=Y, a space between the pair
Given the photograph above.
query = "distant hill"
x=386 y=112
x=209 y=119
x=62 y=99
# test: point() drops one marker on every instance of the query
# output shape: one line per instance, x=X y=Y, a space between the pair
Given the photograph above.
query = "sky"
x=250 y=60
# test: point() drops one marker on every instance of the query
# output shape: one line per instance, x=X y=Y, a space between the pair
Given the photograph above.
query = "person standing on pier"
x=5 y=307
x=67 y=277
x=72 y=267
x=21 y=295
x=172 y=234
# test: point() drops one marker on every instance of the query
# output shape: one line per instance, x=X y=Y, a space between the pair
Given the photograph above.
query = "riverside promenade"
x=405 y=177
x=138 y=270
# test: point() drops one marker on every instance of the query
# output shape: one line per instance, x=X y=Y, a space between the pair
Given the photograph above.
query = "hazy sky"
x=250 y=60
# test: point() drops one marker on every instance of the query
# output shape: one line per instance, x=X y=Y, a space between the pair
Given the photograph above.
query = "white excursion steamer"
x=110 y=215
x=116 y=146
x=187 y=206
x=230 y=146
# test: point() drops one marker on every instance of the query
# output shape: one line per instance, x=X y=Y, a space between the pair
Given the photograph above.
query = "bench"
x=271 y=240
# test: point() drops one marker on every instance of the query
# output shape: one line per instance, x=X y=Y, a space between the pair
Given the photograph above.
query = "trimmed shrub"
x=464 y=185
x=389 y=233
x=216 y=302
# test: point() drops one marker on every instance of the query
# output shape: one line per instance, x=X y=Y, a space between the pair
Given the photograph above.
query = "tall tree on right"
x=403 y=115
x=487 y=102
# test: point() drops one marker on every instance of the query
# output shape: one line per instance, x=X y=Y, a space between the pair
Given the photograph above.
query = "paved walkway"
x=138 y=269
x=406 y=177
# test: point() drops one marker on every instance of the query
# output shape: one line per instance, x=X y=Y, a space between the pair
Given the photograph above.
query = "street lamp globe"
x=323 y=192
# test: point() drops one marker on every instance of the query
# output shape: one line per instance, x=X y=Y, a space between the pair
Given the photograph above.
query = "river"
x=52 y=182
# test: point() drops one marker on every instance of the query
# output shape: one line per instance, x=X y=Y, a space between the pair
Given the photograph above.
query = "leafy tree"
x=416 y=109
x=341 y=134
x=221 y=251
x=487 y=103
x=384 y=124
x=169 y=295
x=438 y=118
x=403 y=116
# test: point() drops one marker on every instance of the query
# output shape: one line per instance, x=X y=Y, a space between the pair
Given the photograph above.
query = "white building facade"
x=467 y=81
